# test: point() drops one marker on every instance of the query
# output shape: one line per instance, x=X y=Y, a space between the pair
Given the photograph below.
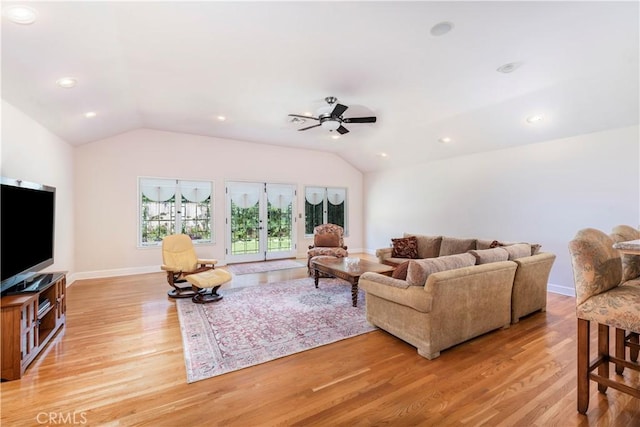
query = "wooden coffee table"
x=349 y=269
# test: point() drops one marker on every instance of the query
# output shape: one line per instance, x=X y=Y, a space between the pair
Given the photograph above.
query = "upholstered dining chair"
x=630 y=263
x=328 y=240
x=180 y=261
x=631 y=277
x=603 y=299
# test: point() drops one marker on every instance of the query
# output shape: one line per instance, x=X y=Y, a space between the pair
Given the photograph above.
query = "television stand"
x=32 y=285
x=30 y=319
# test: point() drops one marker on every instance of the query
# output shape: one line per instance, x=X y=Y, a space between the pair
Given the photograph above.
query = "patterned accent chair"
x=601 y=298
x=328 y=240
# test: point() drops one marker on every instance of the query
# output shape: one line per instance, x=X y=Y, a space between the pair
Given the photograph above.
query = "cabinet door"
x=61 y=301
x=61 y=307
x=28 y=330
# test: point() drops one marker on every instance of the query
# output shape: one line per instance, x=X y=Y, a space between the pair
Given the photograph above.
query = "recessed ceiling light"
x=441 y=29
x=508 y=68
x=444 y=140
x=382 y=154
x=222 y=118
x=21 y=14
x=335 y=136
x=90 y=114
x=535 y=118
x=67 y=82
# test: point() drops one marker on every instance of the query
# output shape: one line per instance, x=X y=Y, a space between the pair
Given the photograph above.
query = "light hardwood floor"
x=119 y=362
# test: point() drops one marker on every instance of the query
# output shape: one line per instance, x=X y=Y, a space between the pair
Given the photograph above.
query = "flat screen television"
x=27 y=231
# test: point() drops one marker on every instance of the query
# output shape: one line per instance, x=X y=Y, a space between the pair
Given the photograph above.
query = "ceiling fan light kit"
x=330 y=125
x=331 y=119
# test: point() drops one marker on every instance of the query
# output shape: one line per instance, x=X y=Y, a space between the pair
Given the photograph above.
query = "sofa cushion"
x=405 y=247
x=419 y=270
x=453 y=246
x=487 y=244
x=401 y=271
x=428 y=246
x=485 y=256
x=326 y=240
x=519 y=250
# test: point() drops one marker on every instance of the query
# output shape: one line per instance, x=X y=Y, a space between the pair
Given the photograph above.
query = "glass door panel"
x=243 y=222
x=260 y=221
x=280 y=220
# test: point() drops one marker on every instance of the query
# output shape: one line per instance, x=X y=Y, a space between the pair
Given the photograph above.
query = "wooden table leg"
x=354 y=292
x=316 y=276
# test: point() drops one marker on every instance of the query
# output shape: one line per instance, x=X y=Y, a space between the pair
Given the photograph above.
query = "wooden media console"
x=29 y=322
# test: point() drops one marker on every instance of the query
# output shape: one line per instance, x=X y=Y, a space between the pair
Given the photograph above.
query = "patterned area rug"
x=257 y=324
x=261 y=267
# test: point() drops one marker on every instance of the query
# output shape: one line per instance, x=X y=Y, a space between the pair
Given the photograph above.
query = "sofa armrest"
x=396 y=290
x=383 y=254
x=536 y=266
x=530 y=284
x=206 y=261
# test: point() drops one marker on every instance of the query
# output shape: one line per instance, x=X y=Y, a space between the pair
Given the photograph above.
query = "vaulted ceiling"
x=177 y=66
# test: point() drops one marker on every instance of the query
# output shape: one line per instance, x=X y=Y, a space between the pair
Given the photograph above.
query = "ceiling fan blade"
x=359 y=120
x=309 y=127
x=338 y=110
x=342 y=130
x=303 y=117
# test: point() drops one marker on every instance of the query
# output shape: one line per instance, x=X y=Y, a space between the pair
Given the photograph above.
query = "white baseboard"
x=98 y=274
x=562 y=290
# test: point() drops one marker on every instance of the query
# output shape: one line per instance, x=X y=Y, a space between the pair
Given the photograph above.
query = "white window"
x=171 y=206
x=324 y=205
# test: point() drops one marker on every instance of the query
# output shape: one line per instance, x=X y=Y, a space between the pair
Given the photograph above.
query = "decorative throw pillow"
x=401 y=271
x=326 y=240
x=405 y=247
x=485 y=256
x=419 y=270
x=519 y=250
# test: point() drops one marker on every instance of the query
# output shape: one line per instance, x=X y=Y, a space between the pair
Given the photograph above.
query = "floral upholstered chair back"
x=328 y=236
x=597 y=267
x=630 y=263
x=328 y=240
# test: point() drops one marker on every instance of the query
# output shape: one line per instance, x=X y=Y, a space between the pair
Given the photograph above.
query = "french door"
x=260 y=221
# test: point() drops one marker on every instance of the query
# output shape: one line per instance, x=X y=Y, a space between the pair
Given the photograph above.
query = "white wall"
x=107 y=174
x=540 y=193
x=31 y=153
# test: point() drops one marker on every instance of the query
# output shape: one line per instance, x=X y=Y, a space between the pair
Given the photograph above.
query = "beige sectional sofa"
x=469 y=288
